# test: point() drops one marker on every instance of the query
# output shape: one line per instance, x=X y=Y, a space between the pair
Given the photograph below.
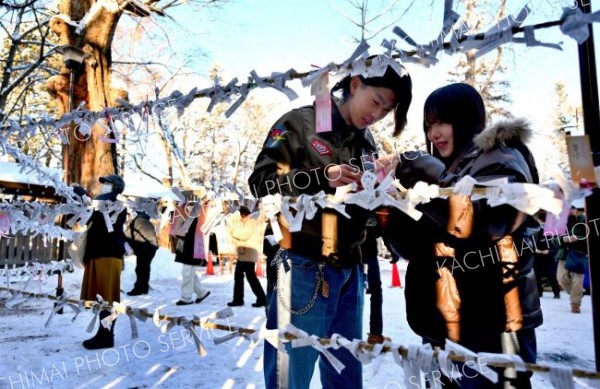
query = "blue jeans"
x=374 y=280
x=340 y=312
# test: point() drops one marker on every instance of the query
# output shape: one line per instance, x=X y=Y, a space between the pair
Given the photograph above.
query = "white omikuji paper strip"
x=447 y=367
x=305 y=340
x=516 y=360
x=561 y=377
x=410 y=367
x=476 y=360
x=425 y=360
x=575 y=23
x=189 y=326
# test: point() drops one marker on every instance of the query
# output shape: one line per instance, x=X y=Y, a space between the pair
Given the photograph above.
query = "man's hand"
x=340 y=175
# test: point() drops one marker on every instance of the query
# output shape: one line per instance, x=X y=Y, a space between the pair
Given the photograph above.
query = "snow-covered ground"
x=52 y=357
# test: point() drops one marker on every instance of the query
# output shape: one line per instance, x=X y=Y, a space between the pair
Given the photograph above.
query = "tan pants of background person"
x=572 y=283
x=191 y=283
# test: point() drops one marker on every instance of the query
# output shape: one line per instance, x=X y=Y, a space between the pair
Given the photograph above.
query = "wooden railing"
x=17 y=250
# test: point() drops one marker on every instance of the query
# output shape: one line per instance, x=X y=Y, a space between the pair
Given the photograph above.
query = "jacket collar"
x=504 y=133
x=501 y=134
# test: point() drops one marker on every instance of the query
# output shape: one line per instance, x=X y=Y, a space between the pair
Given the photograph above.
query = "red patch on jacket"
x=321 y=147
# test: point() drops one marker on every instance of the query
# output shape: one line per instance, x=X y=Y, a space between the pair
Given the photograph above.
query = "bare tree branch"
x=143 y=170
x=31 y=69
x=15 y=6
x=24 y=90
x=146 y=63
x=384 y=11
x=37 y=26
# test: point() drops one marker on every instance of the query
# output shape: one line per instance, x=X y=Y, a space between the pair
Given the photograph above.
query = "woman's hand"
x=340 y=175
x=418 y=166
x=386 y=164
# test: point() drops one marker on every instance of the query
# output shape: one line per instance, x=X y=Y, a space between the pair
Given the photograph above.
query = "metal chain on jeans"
x=318 y=281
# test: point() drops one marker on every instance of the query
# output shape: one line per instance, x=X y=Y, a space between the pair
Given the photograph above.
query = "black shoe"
x=135 y=292
x=557 y=295
x=104 y=338
x=259 y=304
x=199 y=299
x=182 y=302
x=235 y=304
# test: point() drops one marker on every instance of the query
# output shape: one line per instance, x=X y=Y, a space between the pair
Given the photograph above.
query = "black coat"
x=498 y=152
x=100 y=242
x=184 y=246
x=293 y=161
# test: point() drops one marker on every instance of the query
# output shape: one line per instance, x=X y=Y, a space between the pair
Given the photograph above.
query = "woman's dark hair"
x=461 y=106
x=244 y=211
x=401 y=85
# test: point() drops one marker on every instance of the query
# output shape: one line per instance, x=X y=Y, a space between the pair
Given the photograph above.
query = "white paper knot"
x=561 y=377
x=464 y=186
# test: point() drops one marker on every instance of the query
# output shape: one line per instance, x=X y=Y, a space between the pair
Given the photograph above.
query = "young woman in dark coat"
x=473 y=280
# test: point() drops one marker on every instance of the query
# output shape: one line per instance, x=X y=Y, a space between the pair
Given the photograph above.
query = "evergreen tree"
x=485 y=73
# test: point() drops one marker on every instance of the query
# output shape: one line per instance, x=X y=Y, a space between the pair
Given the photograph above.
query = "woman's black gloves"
x=418 y=166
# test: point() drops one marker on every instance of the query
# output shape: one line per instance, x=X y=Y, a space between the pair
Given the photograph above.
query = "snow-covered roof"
x=135 y=185
x=11 y=172
x=142 y=186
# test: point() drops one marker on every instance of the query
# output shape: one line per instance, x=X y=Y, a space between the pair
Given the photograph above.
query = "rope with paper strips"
x=32 y=269
x=418 y=359
x=527 y=198
x=572 y=23
x=162 y=321
x=413 y=358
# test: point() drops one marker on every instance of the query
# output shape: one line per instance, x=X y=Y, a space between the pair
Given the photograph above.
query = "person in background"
x=141 y=237
x=467 y=282
x=103 y=260
x=545 y=265
x=320 y=286
x=248 y=234
x=370 y=255
x=213 y=247
x=575 y=239
x=191 y=247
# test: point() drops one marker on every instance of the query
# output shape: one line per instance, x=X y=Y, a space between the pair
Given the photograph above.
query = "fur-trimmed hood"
x=504 y=133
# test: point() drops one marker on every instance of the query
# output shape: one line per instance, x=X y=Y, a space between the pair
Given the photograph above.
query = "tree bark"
x=87 y=160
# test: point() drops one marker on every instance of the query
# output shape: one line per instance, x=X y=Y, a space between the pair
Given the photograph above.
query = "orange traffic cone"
x=259 y=272
x=395 y=277
x=210 y=270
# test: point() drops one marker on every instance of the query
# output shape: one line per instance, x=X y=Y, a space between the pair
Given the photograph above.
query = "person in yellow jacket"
x=248 y=235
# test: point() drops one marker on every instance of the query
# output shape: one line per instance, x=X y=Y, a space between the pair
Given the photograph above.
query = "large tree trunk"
x=87 y=160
